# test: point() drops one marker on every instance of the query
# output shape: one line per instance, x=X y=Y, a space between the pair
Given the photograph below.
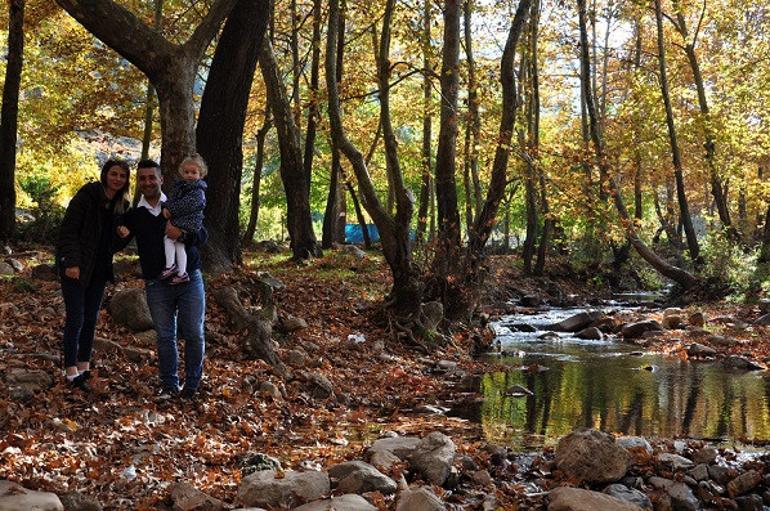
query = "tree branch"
x=207 y=28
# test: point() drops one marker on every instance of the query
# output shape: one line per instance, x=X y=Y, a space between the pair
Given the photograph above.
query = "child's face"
x=190 y=171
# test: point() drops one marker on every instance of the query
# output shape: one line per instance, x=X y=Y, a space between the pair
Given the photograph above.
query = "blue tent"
x=354 y=233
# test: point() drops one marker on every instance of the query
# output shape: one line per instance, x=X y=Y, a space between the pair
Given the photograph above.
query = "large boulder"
x=23 y=384
x=592 y=456
x=14 y=497
x=401 y=446
x=638 y=329
x=349 y=502
x=433 y=457
x=360 y=477
x=187 y=498
x=264 y=489
x=577 y=322
x=129 y=308
x=575 y=499
x=419 y=499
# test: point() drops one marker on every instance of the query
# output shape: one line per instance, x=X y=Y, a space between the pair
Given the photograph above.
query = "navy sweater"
x=149 y=231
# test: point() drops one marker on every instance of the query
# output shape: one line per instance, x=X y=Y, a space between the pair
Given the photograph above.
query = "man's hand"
x=172 y=231
x=73 y=272
x=123 y=231
x=166 y=213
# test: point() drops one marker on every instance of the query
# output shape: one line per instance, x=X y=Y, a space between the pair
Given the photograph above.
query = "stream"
x=611 y=385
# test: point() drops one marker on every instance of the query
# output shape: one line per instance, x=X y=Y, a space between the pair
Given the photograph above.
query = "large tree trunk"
x=407 y=290
x=692 y=240
x=427 y=121
x=312 y=114
x=299 y=222
x=219 y=134
x=682 y=277
x=262 y=132
x=9 y=119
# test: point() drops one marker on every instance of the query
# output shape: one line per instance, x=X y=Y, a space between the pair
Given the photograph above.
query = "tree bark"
x=299 y=222
x=473 y=128
x=312 y=114
x=692 y=240
x=427 y=121
x=9 y=119
x=251 y=228
x=682 y=277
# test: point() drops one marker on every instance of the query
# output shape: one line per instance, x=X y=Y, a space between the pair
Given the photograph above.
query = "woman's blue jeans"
x=82 y=308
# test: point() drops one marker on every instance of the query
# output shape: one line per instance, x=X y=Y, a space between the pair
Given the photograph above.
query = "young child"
x=185 y=210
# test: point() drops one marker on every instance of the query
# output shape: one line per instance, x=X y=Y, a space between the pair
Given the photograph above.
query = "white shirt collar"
x=154 y=211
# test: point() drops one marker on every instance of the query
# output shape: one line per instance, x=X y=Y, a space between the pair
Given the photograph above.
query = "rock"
x=607 y=325
x=590 y=333
x=445 y=366
x=432 y=314
x=433 y=457
x=420 y=499
x=721 y=340
x=354 y=250
x=269 y=281
x=482 y=478
x=347 y=502
x=45 y=272
x=269 y=246
x=577 y=322
x=360 y=477
x=631 y=495
x=697 y=319
x=751 y=502
x=700 y=350
x=698 y=332
x=591 y=456
x=16 y=265
x=530 y=301
x=763 y=320
x=705 y=455
x=742 y=363
x=14 y=497
x=634 y=443
x=700 y=472
x=682 y=497
x=574 y=499
x=675 y=461
x=638 y=329
x=296 y=358
x=401 y=446
x=319 y=385
x=6 y=269
x=23 y=384
x=549 y=336
x=722 y=474
x=269 y=389
x=764 y=305
x=187 y=498
x=744 y=483
x=129 y=308
x=293 y=323
x=263 y=489
x=672 y=322
x=384 y=459
x=76 y=501
x=257 y=462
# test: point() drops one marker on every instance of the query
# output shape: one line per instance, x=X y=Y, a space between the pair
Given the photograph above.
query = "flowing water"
x=612 y=386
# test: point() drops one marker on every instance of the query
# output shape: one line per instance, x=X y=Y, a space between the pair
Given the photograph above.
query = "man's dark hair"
x=148 y=164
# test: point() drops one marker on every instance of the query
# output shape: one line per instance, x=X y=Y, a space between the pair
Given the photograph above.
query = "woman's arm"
x=71 y=226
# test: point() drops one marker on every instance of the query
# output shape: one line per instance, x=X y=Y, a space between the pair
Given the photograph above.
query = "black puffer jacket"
x=81 y=230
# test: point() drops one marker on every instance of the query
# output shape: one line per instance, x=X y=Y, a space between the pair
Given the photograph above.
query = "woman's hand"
x=73 y=272
x=123 y=231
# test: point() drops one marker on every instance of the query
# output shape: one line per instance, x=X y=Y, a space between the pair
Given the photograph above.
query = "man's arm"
x=127 y=220
x=193 y=239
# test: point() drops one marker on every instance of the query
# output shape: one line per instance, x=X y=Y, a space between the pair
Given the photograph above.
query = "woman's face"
x=116 y=179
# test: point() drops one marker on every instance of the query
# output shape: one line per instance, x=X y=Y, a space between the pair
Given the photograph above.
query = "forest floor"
x=123 y=447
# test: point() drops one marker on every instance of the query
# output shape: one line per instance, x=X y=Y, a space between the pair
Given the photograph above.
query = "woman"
x=84 y=260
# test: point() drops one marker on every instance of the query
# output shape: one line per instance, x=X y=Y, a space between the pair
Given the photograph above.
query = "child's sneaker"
x=180 y=279
x=168 y=272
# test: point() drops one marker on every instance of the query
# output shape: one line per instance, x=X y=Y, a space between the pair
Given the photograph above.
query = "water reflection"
x=604 y=385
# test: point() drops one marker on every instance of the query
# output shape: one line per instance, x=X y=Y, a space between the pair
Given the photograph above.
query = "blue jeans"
x=82 y=309
x=187 y=302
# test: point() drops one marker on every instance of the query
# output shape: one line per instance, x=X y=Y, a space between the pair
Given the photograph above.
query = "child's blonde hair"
x=198 y=161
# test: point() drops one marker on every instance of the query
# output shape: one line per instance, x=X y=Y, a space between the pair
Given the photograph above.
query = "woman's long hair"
x=120 y=198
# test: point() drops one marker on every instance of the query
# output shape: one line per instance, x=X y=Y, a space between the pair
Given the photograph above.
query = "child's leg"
x=170 y=249
x=181 y=258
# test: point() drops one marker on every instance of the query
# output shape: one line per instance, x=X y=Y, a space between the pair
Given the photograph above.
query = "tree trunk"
x=692 y=240
x=251 y=228
x=359 y=216
x=406 y=294
x=427 y=121
x=764 y=252
x=683 y=278
x=299 y=222
x=474 y=119
x=219 y=134
x=9 y=119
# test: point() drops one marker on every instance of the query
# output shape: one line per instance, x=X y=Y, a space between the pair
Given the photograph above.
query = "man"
x=187 y=301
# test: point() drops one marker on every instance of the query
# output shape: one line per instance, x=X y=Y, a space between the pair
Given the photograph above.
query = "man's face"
x=149 y=182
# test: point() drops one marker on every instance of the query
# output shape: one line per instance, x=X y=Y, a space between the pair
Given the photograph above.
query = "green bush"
x=47 y=213
x=728 y=267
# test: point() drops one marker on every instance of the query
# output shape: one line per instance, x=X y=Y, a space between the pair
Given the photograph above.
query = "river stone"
x=419 y=499
x=722 y=474
x=623 y=492
x=433 y=457
x=187 y=498
x=744 y=483
x=360 y=477
x=700 y=472
x=319 y=385
x=268 y=280
x=705 y=455
x=263 y=489
x=575 y=499
x=675 y=461
x=697 y=319
x=352 y=249
x=349 y=502
x=14 y=497
x=742 y=363
x=590 y=333
x=401 y=446
x=700 y=350
x=592 y=456
x=23 y=384
x=549 y=336
x=530 y=301
x=682 y=497
x=638 y=329
x=633 y=443
x=672 y=322
x=128 y=307
x=577 y=322
x=293 y=323
x=256 y=462
x=76 y=501
x=6 y=269
x=721 y=340
x=383 y=459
